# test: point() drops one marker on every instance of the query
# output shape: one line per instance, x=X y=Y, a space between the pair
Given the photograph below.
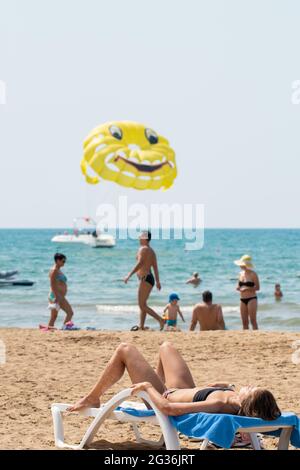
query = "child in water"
x=171 y=311
x=278 y=292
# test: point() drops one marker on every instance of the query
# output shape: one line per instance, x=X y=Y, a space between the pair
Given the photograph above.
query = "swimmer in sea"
x=278 y=292
x=194 y=280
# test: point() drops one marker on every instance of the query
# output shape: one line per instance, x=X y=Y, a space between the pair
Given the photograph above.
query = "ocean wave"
x=279 y=321
x=290 y=322
x=119 y=309
x=76 y=305
x=188 y=309
x=276 y=304
x=230 y=309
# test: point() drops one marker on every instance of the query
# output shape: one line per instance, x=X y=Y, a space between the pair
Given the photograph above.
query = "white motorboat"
x=88 y=234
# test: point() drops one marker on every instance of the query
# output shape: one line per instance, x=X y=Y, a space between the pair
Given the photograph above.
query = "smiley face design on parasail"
x=129 y=154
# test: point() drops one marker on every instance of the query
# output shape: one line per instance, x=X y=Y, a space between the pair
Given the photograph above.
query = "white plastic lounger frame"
x=283 y=443
x=169 y=433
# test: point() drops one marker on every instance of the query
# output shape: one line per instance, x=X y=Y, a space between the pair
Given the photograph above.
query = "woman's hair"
x=59 y=256
x=260 y=404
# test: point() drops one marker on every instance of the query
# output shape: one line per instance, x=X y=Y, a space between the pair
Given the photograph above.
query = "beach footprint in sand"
x=296 y=353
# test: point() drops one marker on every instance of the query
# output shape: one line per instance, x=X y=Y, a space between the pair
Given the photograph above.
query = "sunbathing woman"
x=172 y=388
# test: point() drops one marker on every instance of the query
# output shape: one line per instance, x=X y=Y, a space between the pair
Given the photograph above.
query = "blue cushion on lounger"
x=221 y=428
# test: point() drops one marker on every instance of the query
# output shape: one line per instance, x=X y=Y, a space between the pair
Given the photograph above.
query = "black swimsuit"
x=202 y=394
x=245 y=301
x=247 y=284
x=149 y=278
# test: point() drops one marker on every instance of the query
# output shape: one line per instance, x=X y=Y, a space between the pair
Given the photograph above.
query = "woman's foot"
x=47 y=328
x=85 y=402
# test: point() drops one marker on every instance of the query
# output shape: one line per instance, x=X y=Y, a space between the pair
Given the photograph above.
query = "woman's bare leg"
x=66 y=307
x=160 y=371
x=173 y=368
x=244 y=316
x=53 y=317
x=252 y=310
x=126 y=357
x=143 y=293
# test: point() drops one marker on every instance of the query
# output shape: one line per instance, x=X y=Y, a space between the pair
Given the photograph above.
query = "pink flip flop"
x=69 y=326
x=46 y=328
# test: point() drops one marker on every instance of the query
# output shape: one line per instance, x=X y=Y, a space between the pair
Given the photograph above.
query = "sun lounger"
x=217 y=428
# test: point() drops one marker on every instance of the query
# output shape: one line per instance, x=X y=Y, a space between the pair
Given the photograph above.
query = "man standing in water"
x=146 y=259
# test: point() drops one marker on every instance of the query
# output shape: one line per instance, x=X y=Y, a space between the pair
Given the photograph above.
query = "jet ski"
x=15 y=282
x=7 y=274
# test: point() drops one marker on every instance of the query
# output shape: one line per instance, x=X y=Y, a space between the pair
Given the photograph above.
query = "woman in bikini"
x=172 y=388
x=248 y=285
x=58 y=291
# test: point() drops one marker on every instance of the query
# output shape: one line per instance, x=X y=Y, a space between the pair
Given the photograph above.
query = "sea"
x=102 y=301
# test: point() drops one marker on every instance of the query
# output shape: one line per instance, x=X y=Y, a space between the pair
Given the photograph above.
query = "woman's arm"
x=155 y=396
x=256 y=281
x=221 y=384
x=208 y=406
x=156 y=273
x=177 y=409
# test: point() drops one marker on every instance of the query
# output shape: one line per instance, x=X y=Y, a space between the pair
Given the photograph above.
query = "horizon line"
x=155 y=228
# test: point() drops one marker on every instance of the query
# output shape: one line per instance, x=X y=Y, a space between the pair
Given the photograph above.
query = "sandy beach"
x=42 y=368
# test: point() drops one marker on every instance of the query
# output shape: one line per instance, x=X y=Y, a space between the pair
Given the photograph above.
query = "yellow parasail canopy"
x=129 y=154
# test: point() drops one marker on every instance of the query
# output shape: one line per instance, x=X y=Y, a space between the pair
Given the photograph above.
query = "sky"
x=215 y=77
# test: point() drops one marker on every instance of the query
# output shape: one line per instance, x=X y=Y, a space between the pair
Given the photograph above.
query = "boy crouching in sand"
x=171 y=311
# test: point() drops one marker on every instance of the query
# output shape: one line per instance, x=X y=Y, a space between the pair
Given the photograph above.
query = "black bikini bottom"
x=245 y=301
x=149 y=278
